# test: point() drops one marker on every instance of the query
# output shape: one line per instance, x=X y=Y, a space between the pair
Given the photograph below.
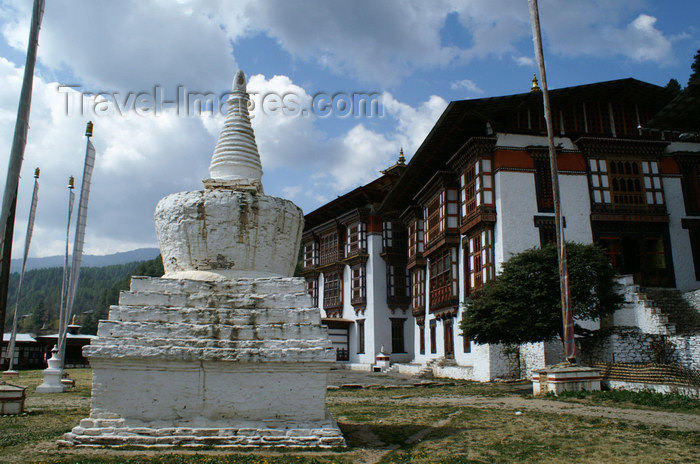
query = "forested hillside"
x=98 y=288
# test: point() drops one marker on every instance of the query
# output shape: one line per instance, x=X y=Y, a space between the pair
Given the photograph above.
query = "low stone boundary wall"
x=648 y=373
x=631 y=345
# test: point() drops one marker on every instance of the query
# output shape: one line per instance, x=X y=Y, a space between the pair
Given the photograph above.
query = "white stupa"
x=225 y=349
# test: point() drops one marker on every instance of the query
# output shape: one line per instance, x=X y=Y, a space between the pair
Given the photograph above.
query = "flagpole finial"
x=71 y=182
x=36 y=173
x=88 y=129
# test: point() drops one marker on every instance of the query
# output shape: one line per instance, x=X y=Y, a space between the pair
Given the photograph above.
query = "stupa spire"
x=236 y=161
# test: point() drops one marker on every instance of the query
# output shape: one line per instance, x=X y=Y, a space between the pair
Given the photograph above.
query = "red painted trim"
x=374 y=224
x=571 y=162
x=669 y=166
x=569 y=379
x=512 y=159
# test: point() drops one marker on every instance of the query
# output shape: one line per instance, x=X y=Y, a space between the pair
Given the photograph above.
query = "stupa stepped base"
x=115 y=433
x=226 y=363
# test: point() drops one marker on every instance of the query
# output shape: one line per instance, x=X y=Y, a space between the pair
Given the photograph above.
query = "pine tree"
x=674 y=86
x=695 y=75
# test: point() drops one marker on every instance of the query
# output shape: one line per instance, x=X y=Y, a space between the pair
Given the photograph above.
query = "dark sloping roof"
x=367 y=195
x=682 y=113
x=467 y=118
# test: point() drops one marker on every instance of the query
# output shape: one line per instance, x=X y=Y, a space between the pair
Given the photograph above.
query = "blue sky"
x=416 y=55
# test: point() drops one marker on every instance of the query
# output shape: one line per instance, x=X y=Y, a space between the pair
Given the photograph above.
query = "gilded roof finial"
x=402 y=159
x=535 y=85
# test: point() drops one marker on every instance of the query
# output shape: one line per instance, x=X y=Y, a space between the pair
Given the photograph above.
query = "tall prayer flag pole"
x=54 y=373
x=66 y=268
x=27 y=242
x=79 y=239
x=19 y=142
x=567 y=314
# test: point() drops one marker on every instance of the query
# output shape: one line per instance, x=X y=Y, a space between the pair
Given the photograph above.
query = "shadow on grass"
x=382 y=437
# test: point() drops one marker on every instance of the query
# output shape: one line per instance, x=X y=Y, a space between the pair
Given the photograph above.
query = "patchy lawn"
x=457 y=422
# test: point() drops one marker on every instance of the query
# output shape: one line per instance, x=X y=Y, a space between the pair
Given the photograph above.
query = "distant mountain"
x=141 y=254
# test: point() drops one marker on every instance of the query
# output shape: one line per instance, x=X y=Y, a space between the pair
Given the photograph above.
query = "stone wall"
x=631 y=345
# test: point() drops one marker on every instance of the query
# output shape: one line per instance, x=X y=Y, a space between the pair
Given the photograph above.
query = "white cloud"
x=139 y=160
x=524 y=61
x=646 y=43
x=128 y=45
x=468 y=85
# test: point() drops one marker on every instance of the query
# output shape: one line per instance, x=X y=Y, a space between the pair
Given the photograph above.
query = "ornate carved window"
x=312 y=289
x=418 y=288
x=356 y=241
x=393 y=236
x=480 y=260
x=434 y=214
x=359 y=284
x=333 y=290
x=543 y=186
x=626 y=183
x=415 y=238
x=443 y=271
x=441 y=213
x=476 y=187
x=310 y=254
x=329 y=245
x=396 y=281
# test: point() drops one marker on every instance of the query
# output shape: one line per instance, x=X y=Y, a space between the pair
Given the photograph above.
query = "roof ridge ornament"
x=535 y=85
x=235 y=163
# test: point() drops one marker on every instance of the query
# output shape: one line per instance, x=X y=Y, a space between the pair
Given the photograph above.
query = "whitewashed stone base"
x=115 y=433
x=565 y=378
x=228 y=363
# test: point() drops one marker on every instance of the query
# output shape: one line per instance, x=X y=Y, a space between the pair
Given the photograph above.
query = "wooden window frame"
x=625 y=183
x=480 y=262
x=312 y=289
x=543 y=186
x=418 y=288
x=433 y=337
x=358 y=284
x=310 y=254
x=329 y=246
x=356 y=239
x=415 y=239
x=443 y=273
x=434 y=217
x=333 y=290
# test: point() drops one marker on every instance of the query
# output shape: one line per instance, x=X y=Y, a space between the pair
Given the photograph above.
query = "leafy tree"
x=695 y=75
x=674 y=86
x=523 y=304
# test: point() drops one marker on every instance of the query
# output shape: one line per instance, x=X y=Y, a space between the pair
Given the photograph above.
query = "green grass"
x=652 y=400
x=379 y=426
